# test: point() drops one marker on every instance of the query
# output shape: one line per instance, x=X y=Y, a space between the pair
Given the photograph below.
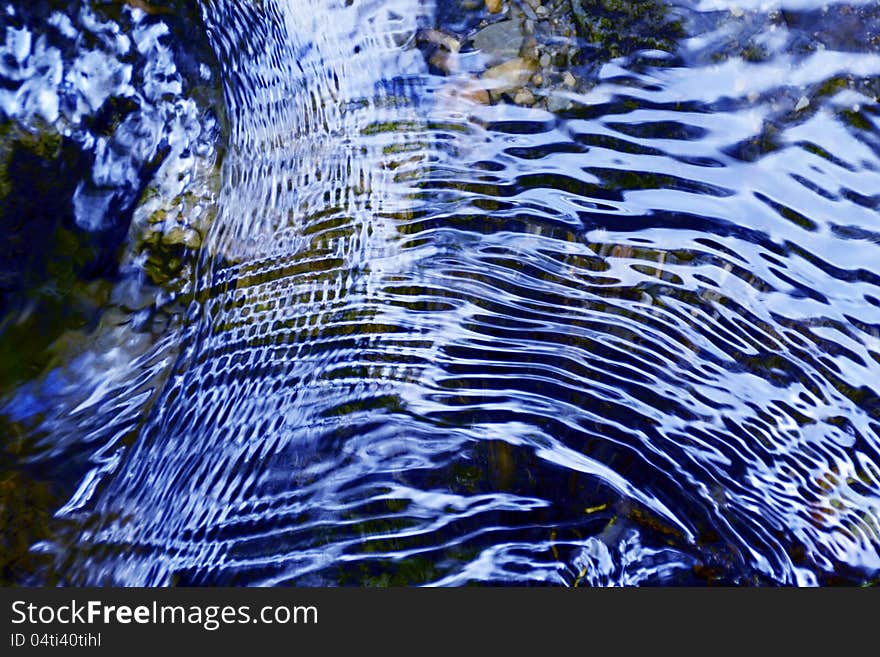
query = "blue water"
x=426 y=340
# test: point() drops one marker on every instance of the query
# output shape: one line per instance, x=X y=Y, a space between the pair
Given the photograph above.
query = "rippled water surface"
x=427 y=340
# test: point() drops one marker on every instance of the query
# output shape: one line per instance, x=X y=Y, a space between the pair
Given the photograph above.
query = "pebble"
x=476 y=94
x=557 y=103
x=522 y=63
x=524 y=97
x=500 y=41
x=510 y=75
x=442 y=39
x=494 y=6
x=802 y=104
x=529 y=12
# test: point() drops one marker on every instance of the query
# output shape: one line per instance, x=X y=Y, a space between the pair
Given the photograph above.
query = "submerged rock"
x=562 y=42
x=500 y=41
x=111 y=117
x=96 y=102
x=510 y=75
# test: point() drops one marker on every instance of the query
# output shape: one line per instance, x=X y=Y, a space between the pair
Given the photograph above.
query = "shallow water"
x=431 y=341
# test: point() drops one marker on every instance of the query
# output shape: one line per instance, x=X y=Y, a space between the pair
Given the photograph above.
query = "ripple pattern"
x=438 y=342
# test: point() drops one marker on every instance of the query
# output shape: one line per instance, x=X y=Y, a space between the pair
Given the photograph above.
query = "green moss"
x=857 y=120
x=619 y=27
x=753 y=52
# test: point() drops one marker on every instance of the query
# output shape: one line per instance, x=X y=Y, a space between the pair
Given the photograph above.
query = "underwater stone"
x=500 y=41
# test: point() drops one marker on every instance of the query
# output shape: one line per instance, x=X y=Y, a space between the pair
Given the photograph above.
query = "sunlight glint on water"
x=438 y=342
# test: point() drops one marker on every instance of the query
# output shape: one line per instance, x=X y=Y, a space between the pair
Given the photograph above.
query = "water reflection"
x=429 y=340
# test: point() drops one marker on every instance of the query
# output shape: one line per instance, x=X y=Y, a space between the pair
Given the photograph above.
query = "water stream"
x=428 y=340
